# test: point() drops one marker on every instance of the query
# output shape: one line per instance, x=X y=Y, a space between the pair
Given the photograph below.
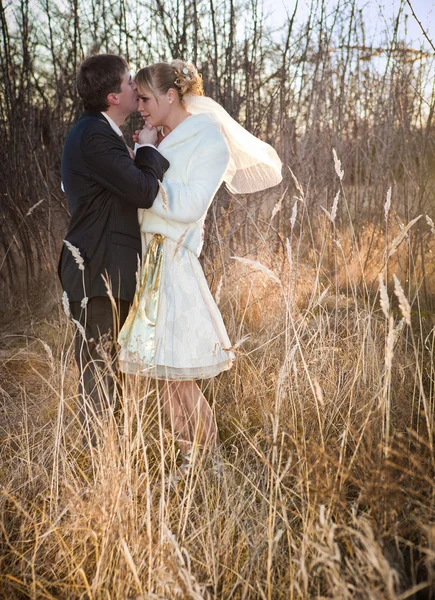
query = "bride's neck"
x=174 y=119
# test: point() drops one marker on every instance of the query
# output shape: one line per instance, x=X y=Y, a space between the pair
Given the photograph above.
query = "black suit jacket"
x=104 y=189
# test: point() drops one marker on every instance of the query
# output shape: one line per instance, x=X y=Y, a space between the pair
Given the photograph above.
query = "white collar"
x=112 y=123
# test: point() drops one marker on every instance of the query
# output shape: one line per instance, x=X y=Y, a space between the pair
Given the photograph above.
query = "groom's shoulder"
x=87 y=129
x=92 y=122
x=89 y=123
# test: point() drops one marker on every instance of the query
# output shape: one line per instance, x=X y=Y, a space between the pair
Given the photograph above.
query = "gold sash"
x=145 y=304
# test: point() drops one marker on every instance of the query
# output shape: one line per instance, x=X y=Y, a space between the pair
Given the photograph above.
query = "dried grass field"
x=326 y=286
x=326 y=419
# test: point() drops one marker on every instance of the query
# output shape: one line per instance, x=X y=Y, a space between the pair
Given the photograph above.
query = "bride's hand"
x=136 y=136
x=148 y=135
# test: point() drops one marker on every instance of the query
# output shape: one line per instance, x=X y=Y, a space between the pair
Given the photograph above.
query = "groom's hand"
x=148 y=135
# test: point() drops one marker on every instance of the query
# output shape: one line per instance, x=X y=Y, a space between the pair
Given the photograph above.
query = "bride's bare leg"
x=176 y=414
x=203 y=424
x=189 y=414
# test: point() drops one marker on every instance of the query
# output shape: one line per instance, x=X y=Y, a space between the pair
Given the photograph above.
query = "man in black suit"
x=104 y=189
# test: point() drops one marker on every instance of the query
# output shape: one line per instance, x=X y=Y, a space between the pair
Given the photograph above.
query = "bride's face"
x=153 y=110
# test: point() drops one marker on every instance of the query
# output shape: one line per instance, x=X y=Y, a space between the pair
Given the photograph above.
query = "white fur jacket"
x=199 y=156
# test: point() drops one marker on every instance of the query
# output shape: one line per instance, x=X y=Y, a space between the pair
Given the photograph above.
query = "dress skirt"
x=174 y=330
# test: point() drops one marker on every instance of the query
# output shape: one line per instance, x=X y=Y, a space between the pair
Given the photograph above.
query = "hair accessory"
x=186 y=76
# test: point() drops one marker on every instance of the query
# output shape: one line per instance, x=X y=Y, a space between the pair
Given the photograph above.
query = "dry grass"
x=327 y=420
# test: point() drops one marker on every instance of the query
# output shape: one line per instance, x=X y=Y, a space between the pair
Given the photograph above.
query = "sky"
x=377 y=14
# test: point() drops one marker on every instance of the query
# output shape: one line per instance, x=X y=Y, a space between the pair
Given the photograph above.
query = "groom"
x=104 y=188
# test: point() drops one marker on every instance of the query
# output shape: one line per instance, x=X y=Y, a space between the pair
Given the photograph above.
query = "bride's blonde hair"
x=179 y=75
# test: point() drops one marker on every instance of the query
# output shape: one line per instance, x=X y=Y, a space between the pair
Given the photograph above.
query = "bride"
x=174 y=331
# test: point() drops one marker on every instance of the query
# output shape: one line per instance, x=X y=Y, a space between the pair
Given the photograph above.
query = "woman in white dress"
x=174 y=332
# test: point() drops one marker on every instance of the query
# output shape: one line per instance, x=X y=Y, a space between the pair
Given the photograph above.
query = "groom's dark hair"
x=97 y=77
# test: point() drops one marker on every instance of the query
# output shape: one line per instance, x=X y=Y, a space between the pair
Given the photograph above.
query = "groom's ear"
x=112 y=99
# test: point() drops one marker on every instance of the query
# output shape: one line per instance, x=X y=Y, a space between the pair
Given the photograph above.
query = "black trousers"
x=96 y=356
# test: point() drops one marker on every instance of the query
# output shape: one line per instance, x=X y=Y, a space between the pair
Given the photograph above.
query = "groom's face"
x=127 y=97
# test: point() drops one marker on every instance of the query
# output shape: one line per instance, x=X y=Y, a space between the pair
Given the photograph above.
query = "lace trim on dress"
x=132 y=365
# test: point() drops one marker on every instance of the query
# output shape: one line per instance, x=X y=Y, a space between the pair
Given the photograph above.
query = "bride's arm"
x=187 y=203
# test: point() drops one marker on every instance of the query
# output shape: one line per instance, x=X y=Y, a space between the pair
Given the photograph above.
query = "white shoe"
x=187 y=463
x=186 y=467
x=217 y=463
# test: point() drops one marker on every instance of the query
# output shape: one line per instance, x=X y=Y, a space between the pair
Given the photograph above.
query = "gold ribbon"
x=145 y=304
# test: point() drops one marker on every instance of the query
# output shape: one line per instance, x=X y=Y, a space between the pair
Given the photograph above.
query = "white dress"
x=174 y=330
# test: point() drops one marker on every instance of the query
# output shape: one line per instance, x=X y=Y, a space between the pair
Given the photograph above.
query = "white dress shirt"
x=116 y=129
x=112 y=124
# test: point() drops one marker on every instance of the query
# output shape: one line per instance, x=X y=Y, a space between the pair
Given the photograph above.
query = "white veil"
x=254 y=165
